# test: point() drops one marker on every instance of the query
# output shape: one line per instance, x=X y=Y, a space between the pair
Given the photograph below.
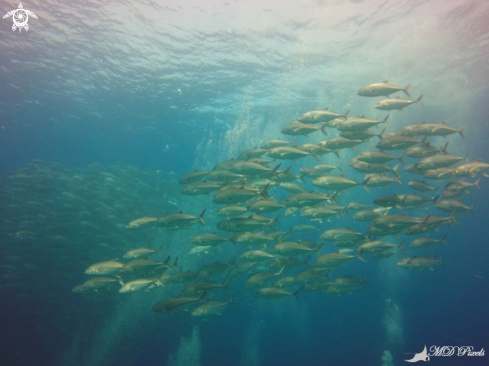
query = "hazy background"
x=179 y=85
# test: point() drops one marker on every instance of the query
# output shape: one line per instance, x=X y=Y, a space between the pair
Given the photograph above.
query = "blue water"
x=169 y=87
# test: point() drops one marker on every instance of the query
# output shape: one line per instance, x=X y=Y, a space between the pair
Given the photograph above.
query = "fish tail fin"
x=231 y=301
x=314 y=154
x=406 y=90
x=434 y=199
x=340 y=168
x=419 y=100
x=365 y=281
x=295 y=293
x=453 y=218
x=381 y=134
x=401 y=157
x=345 y=115
x=444 y=240
x=333 y=197
x=386 y=120
x=365 y=182
x=462 y=131
x=201 y=218
x=159 y=250
x=477 y=184
x=264 y=191
x=201 y=297
x=394 y=170
x=337 y=153
x=274 y=220
x=232 y=238
x=401 y=246
x=225 y=285
x=472 y=209
x=279 y=273
x=359 y=256
x=323 y=129
x=444 y=148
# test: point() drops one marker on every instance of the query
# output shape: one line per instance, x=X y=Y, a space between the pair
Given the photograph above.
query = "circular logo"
x=20 y=18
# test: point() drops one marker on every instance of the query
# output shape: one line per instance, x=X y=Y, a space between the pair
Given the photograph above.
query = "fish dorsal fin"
x=179 y=212
x=341 y=175
x=325 y=109
x=385 y=81
x=444 y=122
x=403 y=214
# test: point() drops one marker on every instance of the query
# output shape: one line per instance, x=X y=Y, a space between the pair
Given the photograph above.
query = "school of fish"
x=280 y=264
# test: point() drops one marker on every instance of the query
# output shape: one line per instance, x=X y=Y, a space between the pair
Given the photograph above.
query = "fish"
x=342 y=234
x=192 y=177
x=378 y=246
x=274 y=143
x=247 y=223
x=275 y=293
x=256 y=256
x=248 y=168
x=416 y=200
x=231 y=211
x=111 y=267
x=334 y=259
x=321 y=115
x=380 y=180
x=180 y=220
x=140 y=253
x=307 y=199
x=297 y=128
x=421 y=186
x=376 y=156
x=261 y=278
x=212 y=307
x=426 y=242
x=291 y=249
x=139 y=265
x=426 y=150
x=396 y=103
x=208 y=239
x=369 y=215
x=239 y=195
x=214 y=269
x=392 y=200
x=440 y=173
x=95 y=284
x=292 y=187
x=471 y=169
x=454 y=206
x=206 y=286
x=311 y=275
x=421 y=263
x=438 y=129
x=200 y=188
x=383 y=89
x=350 y=282
x=290 y=153
x=338 y=143
x=355 y=206
x=438 y=161
x=265 y=206
x=397 y=142
x=360 y=123
x=178 y=303
x=240 y=269
x=251 y=154
x=285 y=282
x=325 y=168
x=224 y=175
x=459 y=187
x=335 y=182
x=137 y=285
x=142 y=223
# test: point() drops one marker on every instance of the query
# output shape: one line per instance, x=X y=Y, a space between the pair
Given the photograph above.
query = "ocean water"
x=105 y=105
